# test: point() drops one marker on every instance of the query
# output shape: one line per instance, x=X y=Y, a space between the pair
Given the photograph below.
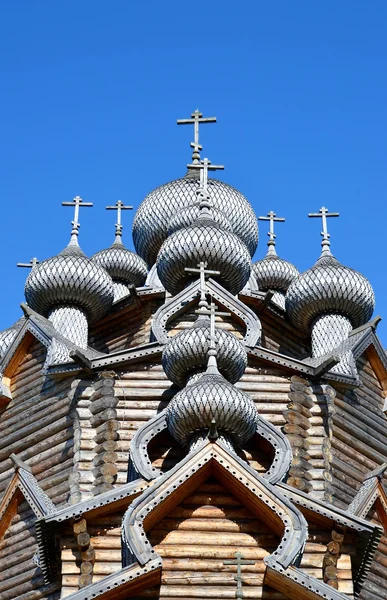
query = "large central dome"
x=152 y=219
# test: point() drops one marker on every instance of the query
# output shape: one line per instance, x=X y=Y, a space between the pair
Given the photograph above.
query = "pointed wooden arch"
x=182 y=301
x=141 y=465
x=256 y=493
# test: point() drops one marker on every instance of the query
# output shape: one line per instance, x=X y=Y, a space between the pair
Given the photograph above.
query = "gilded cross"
x=323 y=214
x=196 y=118
x=77 y=203
x=33 y=262
x=119 y=207
x=204 y=272
x=239 y=561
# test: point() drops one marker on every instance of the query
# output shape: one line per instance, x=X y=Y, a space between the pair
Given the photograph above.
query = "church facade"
x=181 y=423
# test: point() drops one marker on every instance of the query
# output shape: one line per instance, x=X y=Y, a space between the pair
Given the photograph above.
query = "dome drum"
x=71 y=322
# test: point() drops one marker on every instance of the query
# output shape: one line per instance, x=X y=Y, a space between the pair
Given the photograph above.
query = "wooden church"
x=179 y=423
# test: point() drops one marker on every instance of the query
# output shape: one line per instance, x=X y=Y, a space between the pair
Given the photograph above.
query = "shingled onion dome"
x=203 y=241
x=211 y=401
x=186 y=353
x=330 y=299
x=188 y=215
x=8 y=335
x=124 y=266
x=70 y=289
x=272 y=272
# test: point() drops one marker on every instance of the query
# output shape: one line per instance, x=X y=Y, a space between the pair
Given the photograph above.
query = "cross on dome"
x=119 y=207
x=323 y=214
x=203 y=271
x=77 y=203
x=202 y=192
x=196 y=118
x=271 y=217
x=213 y=311
x=33 y=262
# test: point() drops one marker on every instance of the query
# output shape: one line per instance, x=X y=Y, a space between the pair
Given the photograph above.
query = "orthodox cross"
x=239 y=561
x=196 y=118
x=77 y=202
x=33 y=262
x=119 y=206
x=204 y=166
x=203 y=271
x=213 y=312
x=323 y=214
x=271 y=217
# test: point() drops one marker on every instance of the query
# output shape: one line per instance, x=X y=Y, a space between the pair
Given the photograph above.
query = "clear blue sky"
x=91 y=91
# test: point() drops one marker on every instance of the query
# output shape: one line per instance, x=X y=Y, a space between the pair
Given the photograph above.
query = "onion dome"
x=203 y=241
x=70 y=279
x=209 y=399
x=8 y=335
x=329 y=287
x=272 y=272
x=154 y=215
x=124 y=266
x=188 y=215
x=186 y=353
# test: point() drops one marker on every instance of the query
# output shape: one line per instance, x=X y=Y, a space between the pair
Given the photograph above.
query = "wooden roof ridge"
x=184 y=299
x=117 y=585
x=149 y=502
x=370 y=490
x=41 y=329
x=23 y=483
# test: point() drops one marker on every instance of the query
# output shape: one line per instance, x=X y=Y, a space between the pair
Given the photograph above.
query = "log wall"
x=20 y=577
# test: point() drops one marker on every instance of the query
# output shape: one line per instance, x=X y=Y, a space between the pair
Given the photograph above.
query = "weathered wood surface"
x=124 y=329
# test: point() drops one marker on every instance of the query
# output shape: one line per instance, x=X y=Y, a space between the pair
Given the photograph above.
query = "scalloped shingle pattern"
x=122 y=264
x=150 y=225
x=329 y=287
x=274 y=273
x=188 y=215
x=187 y=353
x=212 y=397
x=69 y=279
x=203 y=241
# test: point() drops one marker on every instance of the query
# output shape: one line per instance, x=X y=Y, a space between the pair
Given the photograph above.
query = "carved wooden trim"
x=179 y=304
x=246 y=484
x=140 y=464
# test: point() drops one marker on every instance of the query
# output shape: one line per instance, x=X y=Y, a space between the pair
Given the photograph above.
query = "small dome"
x=122 y=264
x=188 y=215
x=274 y=273
x=70 y=279
x=203 y=241
x=329 y=287
x=8 y=335
x=212 y=397
x=186 y=353
x=150 y=225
